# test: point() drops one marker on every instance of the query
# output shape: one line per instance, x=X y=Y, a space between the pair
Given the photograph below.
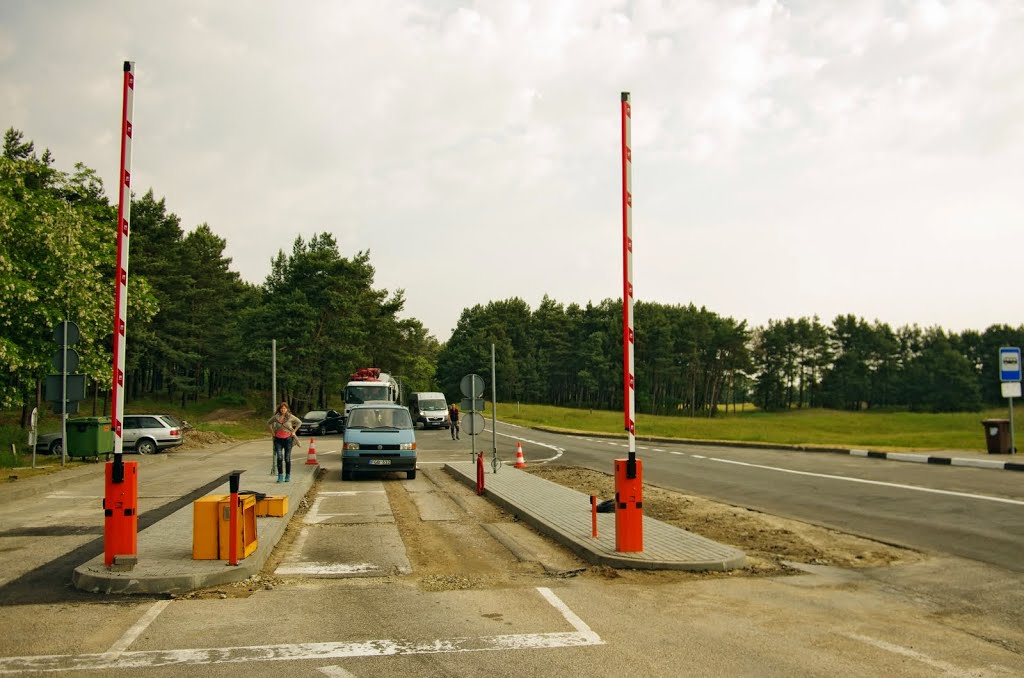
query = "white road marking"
x=335 y=672
x=558 y=450
x=348 y=493
x=129 y=637
x=581 y=636
x=945 y=667
x=678 y=454
x=950 y=493
x=325 y=569
x=695 y=456
x=658 y=449
x=642 y=448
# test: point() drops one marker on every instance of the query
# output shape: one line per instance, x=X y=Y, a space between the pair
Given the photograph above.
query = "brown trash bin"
x=997 y=435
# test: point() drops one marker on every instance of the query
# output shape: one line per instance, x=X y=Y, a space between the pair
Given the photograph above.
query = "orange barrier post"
x=480 y=473
x=593 y=516
x=520 y=461
x=311 y=454
x=629 y=508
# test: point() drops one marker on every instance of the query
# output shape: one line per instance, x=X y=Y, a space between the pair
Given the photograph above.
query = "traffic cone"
x=520 y=462
x=311 y=454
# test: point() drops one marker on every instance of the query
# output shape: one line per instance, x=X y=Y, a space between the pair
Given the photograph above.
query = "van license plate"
x=380 y=462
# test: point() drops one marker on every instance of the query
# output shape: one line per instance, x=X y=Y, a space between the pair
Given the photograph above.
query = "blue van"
x=379 y=438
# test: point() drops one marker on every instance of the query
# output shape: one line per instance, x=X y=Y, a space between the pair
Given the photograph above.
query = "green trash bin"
x=89 y=437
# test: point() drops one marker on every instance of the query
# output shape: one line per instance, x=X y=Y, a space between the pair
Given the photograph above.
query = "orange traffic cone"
x=311 y=454
x=520 y=462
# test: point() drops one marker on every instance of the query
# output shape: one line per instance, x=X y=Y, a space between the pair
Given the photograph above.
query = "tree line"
x=692 y=361
x=194 y=328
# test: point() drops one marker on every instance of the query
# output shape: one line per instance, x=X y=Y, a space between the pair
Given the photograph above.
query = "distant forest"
x=691 y=361
x=196 y=330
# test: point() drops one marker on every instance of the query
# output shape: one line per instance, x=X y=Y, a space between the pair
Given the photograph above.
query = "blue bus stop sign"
x=1009 y=364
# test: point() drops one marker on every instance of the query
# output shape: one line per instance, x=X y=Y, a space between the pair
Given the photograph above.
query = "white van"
x=429 y=409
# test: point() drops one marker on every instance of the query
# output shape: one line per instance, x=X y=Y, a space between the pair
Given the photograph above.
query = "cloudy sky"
x=791 y=158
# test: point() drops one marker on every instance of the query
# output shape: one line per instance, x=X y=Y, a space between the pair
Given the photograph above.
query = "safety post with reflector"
x=120 y=530
x=629 y=517
x=480 y=473
x=233 y=484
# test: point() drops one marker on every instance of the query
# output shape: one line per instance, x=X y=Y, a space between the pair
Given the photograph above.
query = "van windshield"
x=355 y=395
x=433 y=406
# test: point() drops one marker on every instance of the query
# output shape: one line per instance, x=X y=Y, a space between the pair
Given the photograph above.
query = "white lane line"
x=678 y=454
x=581 y=636
x=641 y=447
x=950 y=493
x=314 y=569
x=335 y=672
x=658 y=449
x=129 y=637
x=348 y=493
x=945 y=667
x=557 y=450
x=569 y=615
x=695 y=456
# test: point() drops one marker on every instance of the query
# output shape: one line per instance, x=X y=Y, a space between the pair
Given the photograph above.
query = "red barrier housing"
x=629 y=508
x=120 y=513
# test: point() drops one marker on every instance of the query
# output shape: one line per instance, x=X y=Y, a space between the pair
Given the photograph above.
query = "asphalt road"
x=496 y=615
x=967 y=512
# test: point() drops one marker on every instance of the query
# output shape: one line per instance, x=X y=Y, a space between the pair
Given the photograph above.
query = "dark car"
x=321 y=422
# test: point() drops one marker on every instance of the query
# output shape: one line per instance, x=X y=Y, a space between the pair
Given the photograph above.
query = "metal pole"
x=64 y=395
x=273 y=397
x=1013 y=446
x=494 y=416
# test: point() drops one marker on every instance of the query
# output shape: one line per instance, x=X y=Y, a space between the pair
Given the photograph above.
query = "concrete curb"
x=665 y=545
x=920 y=458
x=165 y=550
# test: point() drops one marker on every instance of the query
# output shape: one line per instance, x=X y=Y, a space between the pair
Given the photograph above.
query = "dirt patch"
x=226 y=415
x=200 y=439
x=767 y=540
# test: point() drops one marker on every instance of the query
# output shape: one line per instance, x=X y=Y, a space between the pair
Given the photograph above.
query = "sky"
x=790 y=158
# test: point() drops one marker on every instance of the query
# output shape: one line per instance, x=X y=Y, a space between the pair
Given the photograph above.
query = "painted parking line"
x=314 y=516
x=580 y=636
x=129 y=637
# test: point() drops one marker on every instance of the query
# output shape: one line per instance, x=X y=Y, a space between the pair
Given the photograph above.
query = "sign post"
x=1009 y=375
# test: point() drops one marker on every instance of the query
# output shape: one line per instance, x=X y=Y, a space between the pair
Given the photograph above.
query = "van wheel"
x=411 y=475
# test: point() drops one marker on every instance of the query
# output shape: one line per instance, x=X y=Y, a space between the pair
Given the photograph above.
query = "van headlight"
x=407 y=446
x=351 y=446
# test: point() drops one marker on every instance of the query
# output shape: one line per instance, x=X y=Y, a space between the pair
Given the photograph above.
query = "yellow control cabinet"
x=211 y=520
x=246 y=526
x=272 y=505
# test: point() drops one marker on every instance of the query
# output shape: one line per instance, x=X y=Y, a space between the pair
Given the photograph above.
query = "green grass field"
x=886 y=431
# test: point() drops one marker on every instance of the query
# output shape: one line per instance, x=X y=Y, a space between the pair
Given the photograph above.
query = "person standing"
x=283 y=426
x=453 y=421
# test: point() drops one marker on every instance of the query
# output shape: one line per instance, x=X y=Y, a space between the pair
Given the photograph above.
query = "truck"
x=370 y=385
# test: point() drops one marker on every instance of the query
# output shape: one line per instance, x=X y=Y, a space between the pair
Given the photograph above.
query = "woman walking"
x=283 y=426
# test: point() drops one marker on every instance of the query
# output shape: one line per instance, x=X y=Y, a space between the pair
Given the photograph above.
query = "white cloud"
x=790 y=159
